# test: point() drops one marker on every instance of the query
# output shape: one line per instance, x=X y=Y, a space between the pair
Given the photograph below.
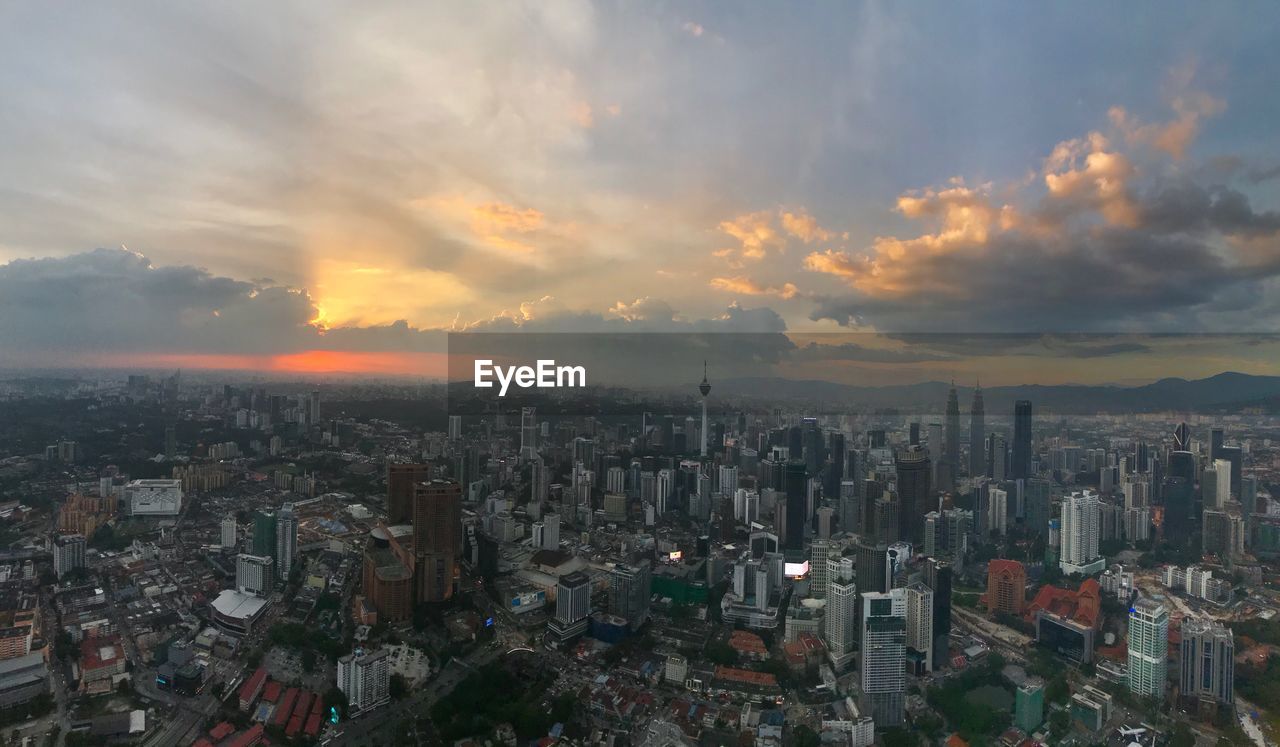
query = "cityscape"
x=195 y=562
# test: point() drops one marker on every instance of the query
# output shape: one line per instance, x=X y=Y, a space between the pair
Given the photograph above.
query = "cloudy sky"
x=317 y=186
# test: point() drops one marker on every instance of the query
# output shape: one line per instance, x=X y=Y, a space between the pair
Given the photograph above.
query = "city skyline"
x=311 y=201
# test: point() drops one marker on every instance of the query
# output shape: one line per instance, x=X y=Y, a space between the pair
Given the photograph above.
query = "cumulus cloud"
x=1103 y=244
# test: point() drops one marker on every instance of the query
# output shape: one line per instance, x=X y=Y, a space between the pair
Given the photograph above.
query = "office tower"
x=914 y=493
x=977 y=435
x=833 y=473
x=872 y=491
x=1223 y=532
x=1181 y=437
x=997 y=457
x=264 y=533
x=884 y=656
x=821 y=552
x=1148 y=648
x=313 y=415
x=1028 y=709
x=935 y=534
x=286 y=539
x=936 y=448
x=455 y=427
x=825 y=516
x=884 y=527
x=437 y=538
x=255 y=574
x=796 y=483
x=1208 y=661
x=528 y=433
x=847 y=513
x=228 y=532
x=1179 y=504
x=1222 y=489
x=937 y=576
x=841 y=613
x=68 y=553
x=997 y=519
x=1006 y=586
x=920 y=622
x=365 y=679
x=573 y=606
x=873 y=566
x=1233 y=456
x=400 y=481
x=1209 y=497
x=913 y=433
x=952 y=435
x=1020 y=463
x=704 y=388
x=1080 y=532
x=1037 y=492
x=630 y=587
x=551 y=531
x=170 y=441
x=1215 y=444
x=615 y=480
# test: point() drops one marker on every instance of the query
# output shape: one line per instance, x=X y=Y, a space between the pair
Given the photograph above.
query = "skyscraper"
x=1080 y=533
x=528 y=433
x=873 y=567
x=1181 y=437
x=400 y=481
x=977 y=435
x=68 y=553
x=255 y=574
x=952 y=436
x=437 y=537
x=841 y=613
x=1029 y=705
x=1006 y=586
x=630 y=587
x=920 y=636
x=573 y=605
x=286 y=540
x=1208 y=661
x=228 y=538
x=937 y=576
x=705 y=389
x=914 y=493
x=1148 y=647
x=1020 y=464
x=264 y=533
x=796 y=485
x=365 y=679
x=884 y=656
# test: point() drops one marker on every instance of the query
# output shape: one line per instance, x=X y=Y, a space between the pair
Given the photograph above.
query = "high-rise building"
x=1037 y=492
x=388 y=573
x=1181 y=437
x=977 y=435
x=937 y=576
x=952 y=436
x=365 y=678
x=170 y=441
x=884 y=657
x=573 y=606
x=286 y=539
x=68 y=553
x=997 y=457
x=455 y=427
x=873 y=567
x=1080 y=533
x=841 y=619
x=1006 y=587
x=1020 y=463
x=796 y=483
x=630 y=587
x=1148 y=647
x=1222 y=480
x=313 y=414
x=528 y=433
x=437 y=538
x=920 y=636
x=264 y=533
x=914 y=493
x=401 y=479
x=705 y=389
x=1028 y=706
x=228 y=532
x=255 y=574
x=1208 y=661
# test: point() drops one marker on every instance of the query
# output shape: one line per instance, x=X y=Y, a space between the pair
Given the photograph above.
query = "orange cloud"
x=747 y=286
x=756 y=234
x=582 y=114
x=804 y=227
x=1085 y=173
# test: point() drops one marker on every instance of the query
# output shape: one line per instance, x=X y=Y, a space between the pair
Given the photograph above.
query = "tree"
x=399 y=686
x=309 y=661
x=899 y=737
x=1059 y=722
x=803 y=736
x=1182 y=736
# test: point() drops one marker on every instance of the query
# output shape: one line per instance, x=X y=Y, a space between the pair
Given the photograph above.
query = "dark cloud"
x=849 y=351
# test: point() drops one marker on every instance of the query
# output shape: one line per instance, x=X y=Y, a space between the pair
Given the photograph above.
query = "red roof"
x=281 y=715
x=304 y=702
x=313 y=725
x=222 y=731
x=250 y=737
x=249 y=690
x=96 y=653
x=1083 y=606
x=271 y=693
